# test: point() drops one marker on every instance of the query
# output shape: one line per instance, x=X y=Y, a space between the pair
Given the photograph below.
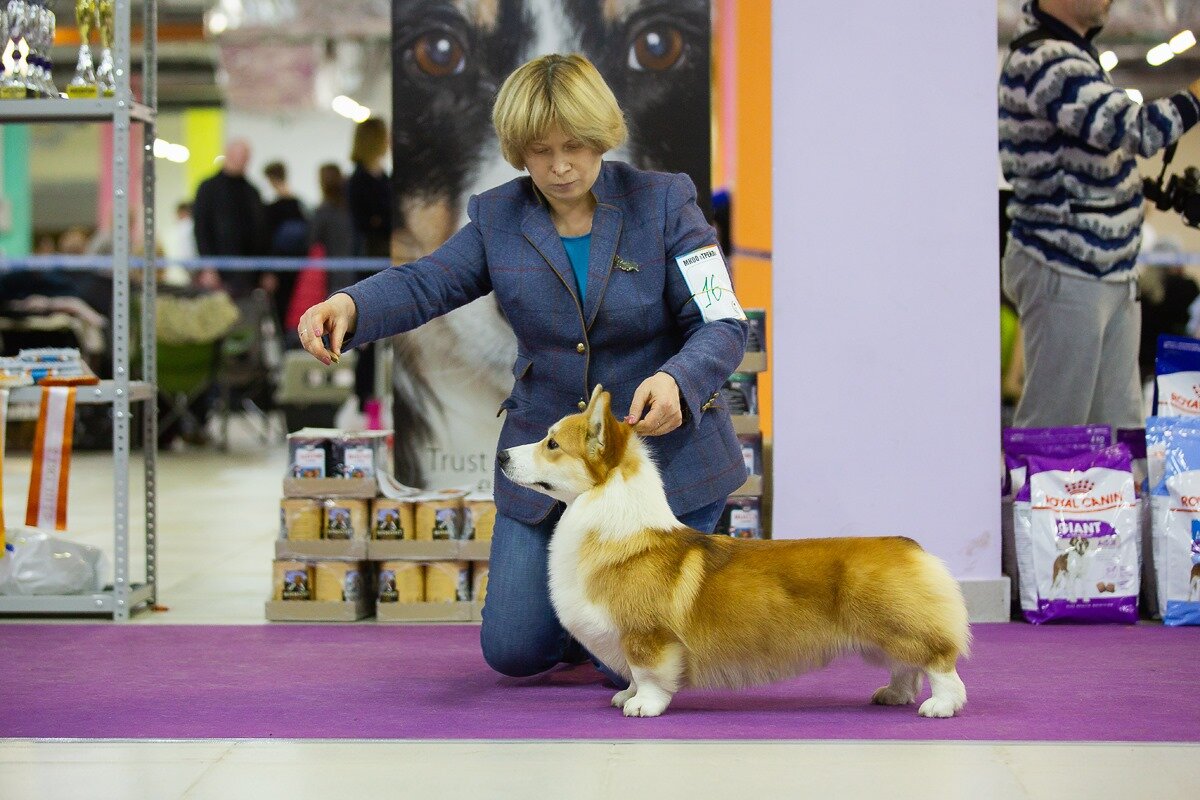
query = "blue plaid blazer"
x=639 y=318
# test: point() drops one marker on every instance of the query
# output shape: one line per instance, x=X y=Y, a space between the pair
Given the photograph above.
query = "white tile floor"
x=218 y=521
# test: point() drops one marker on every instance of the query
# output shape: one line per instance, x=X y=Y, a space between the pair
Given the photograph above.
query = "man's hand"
x=335 y=316
x=660 y=393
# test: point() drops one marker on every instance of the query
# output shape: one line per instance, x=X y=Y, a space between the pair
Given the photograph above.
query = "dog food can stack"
x=346 y=519
x=300 y=519
x=479 y=517
x=438 y=517
x=479 y=582
x=751 y=444
x=340 y=581
x=308 y=455
x=401 y=582
x=392 y=519
x=293 y=580
x=447 y=581
x=741 y=518
x=740 y=393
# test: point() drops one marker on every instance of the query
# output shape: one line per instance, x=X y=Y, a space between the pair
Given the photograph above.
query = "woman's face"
x=562 y=167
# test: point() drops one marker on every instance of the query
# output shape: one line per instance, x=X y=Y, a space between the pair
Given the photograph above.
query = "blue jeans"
x=521 y=635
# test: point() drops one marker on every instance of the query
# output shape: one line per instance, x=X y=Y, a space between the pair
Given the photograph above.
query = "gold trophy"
x=83 y=85
x=104 y=73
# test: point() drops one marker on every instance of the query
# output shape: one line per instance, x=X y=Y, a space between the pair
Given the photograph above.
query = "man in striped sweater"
x=1069 y=142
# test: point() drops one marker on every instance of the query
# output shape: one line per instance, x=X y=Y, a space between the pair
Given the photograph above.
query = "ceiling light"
x=1135 y=95
x=1182 y=41
x=1108 y=60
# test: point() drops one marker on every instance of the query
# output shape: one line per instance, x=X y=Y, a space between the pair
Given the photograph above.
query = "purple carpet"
x=375 y=681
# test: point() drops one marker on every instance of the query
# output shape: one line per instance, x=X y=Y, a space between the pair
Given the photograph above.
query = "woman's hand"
x=335 y=317
x=661 y=394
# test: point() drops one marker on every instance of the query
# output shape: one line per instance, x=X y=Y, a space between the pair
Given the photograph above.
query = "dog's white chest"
x=588 y=622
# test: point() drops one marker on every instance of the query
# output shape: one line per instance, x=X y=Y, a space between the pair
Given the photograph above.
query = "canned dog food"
x=401 y=582
x=293 y=580
x=447 y=581
x=479 y=581
x=300 y=519
x=339 y=581
x=740 y=393
x=438 y=519
x=346 y=518
x=308 y=456
x=478 y=518
x=392 y=519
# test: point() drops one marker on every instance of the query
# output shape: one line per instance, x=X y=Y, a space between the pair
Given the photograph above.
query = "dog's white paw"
x=645 y=706
x=937 y=707
x=891 y=696
x=622 y=697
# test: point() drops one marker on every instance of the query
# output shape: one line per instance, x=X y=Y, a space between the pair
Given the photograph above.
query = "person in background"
x=369 y=197
x=332 y=226
x=369 y=190
x=287 y=232
x=1069 y=143
x=230 y=220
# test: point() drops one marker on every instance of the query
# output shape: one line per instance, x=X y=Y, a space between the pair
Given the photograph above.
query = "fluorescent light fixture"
x=1135 y=95
x=1182 y=41
x=1108 y=60
x=350 y=108
x=1159 y=54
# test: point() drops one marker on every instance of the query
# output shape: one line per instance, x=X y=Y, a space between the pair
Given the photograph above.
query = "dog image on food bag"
x=669 y=607
x=1070 y=570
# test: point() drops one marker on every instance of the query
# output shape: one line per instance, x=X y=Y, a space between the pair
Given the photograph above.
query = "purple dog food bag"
x=1078 y=542
x=1018 y=443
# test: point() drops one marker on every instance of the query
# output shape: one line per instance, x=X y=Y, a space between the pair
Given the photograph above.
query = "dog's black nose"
x=503 y=457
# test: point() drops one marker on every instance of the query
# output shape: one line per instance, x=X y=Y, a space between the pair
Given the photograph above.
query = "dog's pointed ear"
x=599 y=415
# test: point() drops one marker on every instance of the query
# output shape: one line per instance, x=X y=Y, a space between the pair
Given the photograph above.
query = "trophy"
x=105 y=81
x=41 y=37
x=13 y=85
x=84 y=82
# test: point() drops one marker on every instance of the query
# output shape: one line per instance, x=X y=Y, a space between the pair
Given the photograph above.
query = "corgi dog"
x=669 y=607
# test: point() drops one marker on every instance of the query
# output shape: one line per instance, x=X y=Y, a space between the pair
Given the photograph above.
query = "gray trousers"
x=1081 y=345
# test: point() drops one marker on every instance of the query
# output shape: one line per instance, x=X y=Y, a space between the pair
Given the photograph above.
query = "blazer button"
x=582 y=405
x=581 y=348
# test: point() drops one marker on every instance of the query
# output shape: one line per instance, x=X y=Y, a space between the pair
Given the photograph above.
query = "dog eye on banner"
x=448 y=62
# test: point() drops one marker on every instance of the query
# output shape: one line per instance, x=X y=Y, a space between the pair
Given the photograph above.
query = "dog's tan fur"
x=691 y=609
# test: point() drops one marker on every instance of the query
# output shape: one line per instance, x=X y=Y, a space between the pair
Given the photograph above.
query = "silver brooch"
x=625 y=265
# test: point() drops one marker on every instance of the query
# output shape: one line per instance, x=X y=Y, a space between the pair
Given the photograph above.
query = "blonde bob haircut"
x=556 y=91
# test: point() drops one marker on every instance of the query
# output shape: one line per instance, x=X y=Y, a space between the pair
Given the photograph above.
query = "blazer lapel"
x=606 y=232
x=541 y=233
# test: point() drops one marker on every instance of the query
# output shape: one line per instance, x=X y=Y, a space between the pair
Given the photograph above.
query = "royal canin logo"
x=1084 y=502
x=1080 y=487
x=1185 y=403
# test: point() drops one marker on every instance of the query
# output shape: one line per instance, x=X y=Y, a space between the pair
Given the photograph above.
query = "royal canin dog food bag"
x=1076 y=530
x=1177 y=377
x=1176 y=524
x=1018 y=443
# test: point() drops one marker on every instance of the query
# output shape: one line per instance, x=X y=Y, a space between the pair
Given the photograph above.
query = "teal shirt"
x=577 y=251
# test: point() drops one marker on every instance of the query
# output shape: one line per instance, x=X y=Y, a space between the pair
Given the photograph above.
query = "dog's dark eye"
x=438 y=54
x=551 y=445
x=655 y=48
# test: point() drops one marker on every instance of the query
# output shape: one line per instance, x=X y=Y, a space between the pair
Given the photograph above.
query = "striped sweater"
x=1069 y=140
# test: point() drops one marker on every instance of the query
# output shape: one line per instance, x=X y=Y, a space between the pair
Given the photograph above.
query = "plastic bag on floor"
x=40 y=564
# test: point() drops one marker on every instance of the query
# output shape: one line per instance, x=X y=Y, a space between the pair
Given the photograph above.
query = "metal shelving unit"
x=122 y=111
